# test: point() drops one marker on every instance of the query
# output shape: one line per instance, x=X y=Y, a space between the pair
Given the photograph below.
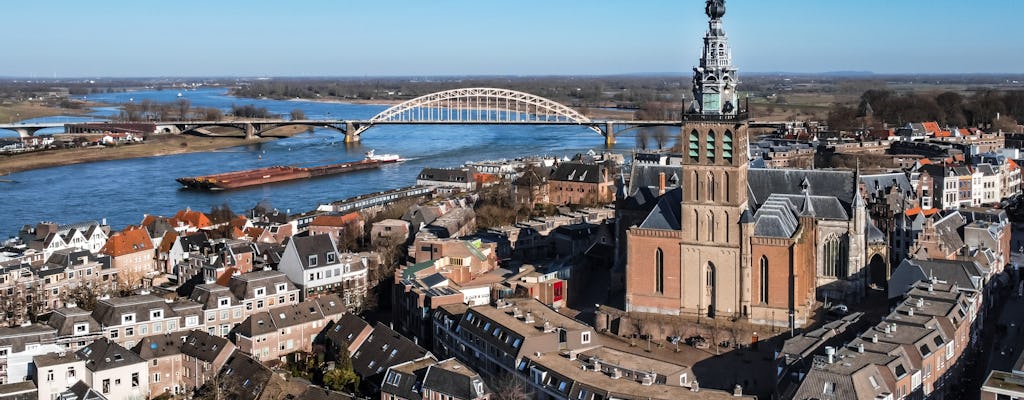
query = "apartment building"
x=275 y=333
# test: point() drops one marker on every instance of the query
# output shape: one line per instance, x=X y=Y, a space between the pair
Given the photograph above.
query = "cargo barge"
x=281 y=173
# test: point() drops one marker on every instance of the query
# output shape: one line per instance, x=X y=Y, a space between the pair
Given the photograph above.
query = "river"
x=122 y=191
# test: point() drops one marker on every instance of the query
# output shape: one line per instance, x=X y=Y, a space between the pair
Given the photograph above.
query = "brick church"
x=763 y=245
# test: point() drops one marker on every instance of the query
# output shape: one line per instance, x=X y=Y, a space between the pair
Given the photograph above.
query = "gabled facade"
x=273 y=334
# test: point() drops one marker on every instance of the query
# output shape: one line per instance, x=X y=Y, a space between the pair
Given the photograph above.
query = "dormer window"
x=312 y=260
x=223 y=302
x=332 y=258
x=156 y=314
x=127 y=318
x=81 y=328
x=281 y=288
x=261 y=291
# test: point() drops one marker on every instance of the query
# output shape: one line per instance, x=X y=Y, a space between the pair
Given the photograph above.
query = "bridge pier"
x=26 y=132
x=351 y=132
x=609 y=134
x=250 y=131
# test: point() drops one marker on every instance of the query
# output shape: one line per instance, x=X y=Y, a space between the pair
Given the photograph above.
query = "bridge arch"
x=479 y=105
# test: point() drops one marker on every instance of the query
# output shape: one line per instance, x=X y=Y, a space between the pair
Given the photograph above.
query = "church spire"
x=714 y=80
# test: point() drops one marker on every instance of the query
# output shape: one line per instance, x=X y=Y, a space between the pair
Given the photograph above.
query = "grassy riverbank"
x=155 y=146
x=25 y=110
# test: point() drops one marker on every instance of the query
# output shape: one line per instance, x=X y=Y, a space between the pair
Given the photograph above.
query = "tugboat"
x=384 y=158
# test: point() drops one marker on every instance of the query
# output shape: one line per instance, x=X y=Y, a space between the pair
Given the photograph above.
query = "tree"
x=221 y=214
x=212 y=114
x=510 y=387
x=343 y=377
x=128 y=280
x=641 y=139
x=183 y=107
x=661 y=136
x=298 y=114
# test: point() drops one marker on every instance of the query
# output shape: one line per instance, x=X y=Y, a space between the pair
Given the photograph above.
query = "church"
x=761 y=245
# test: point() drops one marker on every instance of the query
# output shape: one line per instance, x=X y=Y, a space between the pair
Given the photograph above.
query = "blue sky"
x=73 y=38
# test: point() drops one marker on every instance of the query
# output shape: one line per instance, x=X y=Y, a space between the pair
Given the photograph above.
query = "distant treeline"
x=182 y=109
x=985 y=108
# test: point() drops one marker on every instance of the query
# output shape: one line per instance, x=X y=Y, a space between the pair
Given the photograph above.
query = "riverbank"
x=155 y=146
x=26 y=110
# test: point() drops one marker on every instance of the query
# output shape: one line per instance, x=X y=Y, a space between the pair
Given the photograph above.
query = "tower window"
x=659 y=271
x=710 y=147
x=764 y=279
x=727 y=146
x=694 y=146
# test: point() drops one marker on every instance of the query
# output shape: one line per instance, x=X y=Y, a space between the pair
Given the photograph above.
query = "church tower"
x=715 y=244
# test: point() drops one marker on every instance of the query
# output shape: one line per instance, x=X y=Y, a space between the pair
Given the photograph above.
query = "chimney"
x=860 y=347
x=661 y=183
x=831 y=353
x=874 y=338
x=910 y=311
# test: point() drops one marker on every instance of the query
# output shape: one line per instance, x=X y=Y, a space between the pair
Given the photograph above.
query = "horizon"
x=122 y=39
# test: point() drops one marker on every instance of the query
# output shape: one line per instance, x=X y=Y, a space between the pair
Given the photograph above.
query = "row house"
x=578 y=182
x=428 y=378
x=175 y=248
x=125 y=320
x=315 y=265
x=226 y=306
x=18 y=345
x=48 y=237
x=116 y=372
x=56 y=373
x=273 y=334
x=338 y=227
x=371 y=349
x=183 y=361
x=76 y=328
x=29 y=290
x=916 y=352
x=133 y=255
x=556 y=357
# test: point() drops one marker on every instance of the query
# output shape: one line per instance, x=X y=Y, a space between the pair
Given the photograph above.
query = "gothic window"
x=659 y=271
x=728 y=226
x=712 y=188
x=694 y=146
x=834 y=256
x=764 y=279
x=711 y=226
x=710 y=146
x=696 y=187
x=728 y=189
x=727 y=146
x=696 y=226
x=711 y=275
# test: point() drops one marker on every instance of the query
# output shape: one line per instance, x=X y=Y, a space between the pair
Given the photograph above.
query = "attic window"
x=117 y=357
x=312 y=260
x=281 y=315
x=332 y=258
x=830 y=388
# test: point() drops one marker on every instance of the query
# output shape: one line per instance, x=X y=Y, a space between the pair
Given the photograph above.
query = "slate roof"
x=203 y=346
x=762 y=183
x=455 y=379
x=405 y=380
x=382 y=349
x=102 y=354
x=64 y=320
x=157 y=346
x=244 y=286
x=948 y=230
x=776 y=218
x=646 y=175
x=108 y=311
x=18 y=336
x=25 y=390
x=265 y=322
x=347 y=329
x=244 y=378
x=452 y=175
x=578 y=172
x=319 y=245
x=666 y=215
x=954 y=272
x=874 y=235
x=81 y=391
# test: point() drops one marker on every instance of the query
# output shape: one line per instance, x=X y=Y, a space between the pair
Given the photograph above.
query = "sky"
x=246 y=38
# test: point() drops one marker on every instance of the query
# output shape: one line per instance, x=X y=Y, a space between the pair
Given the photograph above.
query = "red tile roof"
x=193 y=218
x=931 y=126
x=130 y=240
x=168 y=241
x=335 y=220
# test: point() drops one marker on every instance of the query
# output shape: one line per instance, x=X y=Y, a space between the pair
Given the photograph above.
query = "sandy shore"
x=155 y=146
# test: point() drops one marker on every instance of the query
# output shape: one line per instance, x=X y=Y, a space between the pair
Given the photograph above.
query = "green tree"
x=343 y=377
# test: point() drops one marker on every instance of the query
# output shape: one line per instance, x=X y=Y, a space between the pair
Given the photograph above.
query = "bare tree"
x=662 y=136
x=183 y=107
x=510 y=387
x=298 y=114
x=641 y=139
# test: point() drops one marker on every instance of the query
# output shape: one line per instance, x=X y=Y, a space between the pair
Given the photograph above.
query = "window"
x=156 y=377
x=332 y=258
x=261 y=291
x=694 y=147
x=211 y=316
x=659 y=271
x=135 y=379
x=143 y=330
x=81 y=328
x=585 y=337
x=127 y=318
x=834 y=254
x=49 y=375
x=764 y=279
x=106 y=386
x=113 y=333
x=71 y=373
x=156 y=314
x=312 y=260
x=281 y=287
x=191 y=321
x=710 y=147
x=223 y=302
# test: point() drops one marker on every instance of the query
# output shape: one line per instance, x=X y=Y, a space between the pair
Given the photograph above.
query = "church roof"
x=666 y=215
x=841 y=185
x=874 y=235
x=648 y=176
x=776 y=218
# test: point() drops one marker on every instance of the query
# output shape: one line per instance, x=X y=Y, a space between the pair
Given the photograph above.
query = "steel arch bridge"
x=478 y=106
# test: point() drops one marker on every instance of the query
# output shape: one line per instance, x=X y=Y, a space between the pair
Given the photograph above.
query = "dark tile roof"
x=776 y=218
x=666 y=215
x=318 y=245
x=103 y=354
x=765 y=182
x=452 y=175
x=157 y=346
x=17 y=337
x=648 y=176
x=203 y=346
x=382 y=349
x=578 y=172
x=81 y=391
x=244 y=378
x=455 y=379
x=347 y=329
x=265 y=322
x=25 y=390
x=64 y=320
x=108 y=311
x=405 y=380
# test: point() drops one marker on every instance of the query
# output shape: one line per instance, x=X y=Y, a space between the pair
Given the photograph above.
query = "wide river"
x=122 y=191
